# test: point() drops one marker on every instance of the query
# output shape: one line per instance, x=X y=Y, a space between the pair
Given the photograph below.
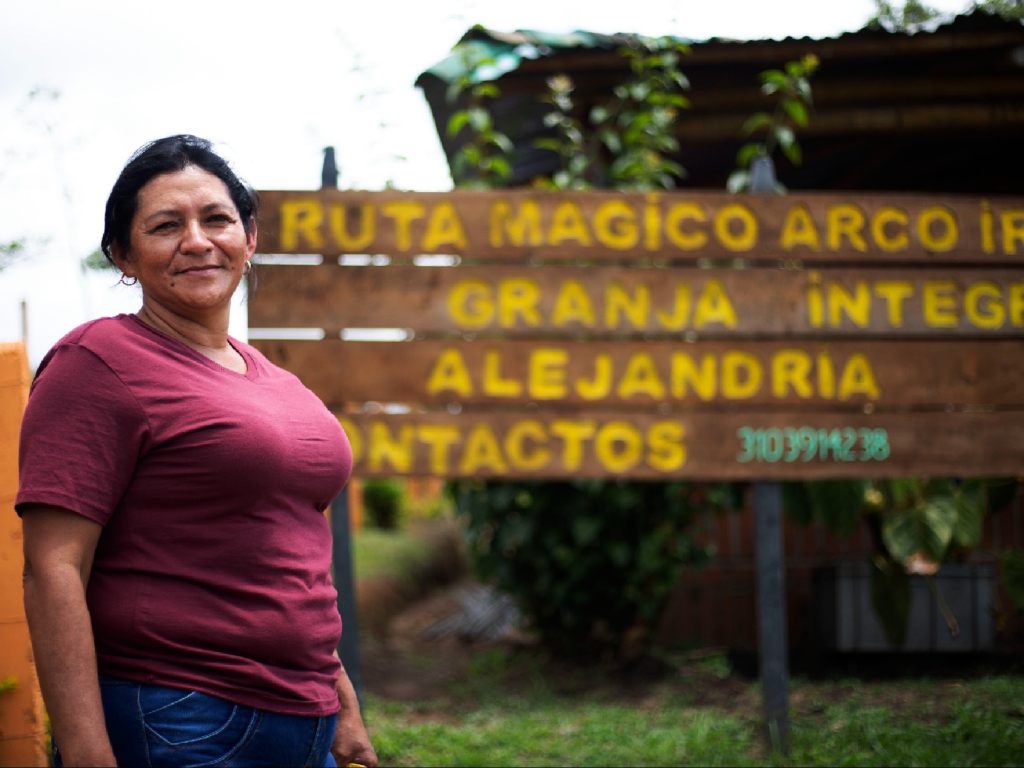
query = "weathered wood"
x=518 y=224
x=702 y=446
x=713 y=374
x=902 y=118
x=712 y=303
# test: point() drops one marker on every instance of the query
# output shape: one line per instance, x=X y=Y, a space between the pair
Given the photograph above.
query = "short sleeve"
x=81 y=437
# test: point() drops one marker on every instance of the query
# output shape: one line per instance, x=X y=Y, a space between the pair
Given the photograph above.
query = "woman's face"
x=188 y=244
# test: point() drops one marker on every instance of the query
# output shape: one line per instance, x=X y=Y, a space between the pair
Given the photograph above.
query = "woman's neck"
x=201 y=336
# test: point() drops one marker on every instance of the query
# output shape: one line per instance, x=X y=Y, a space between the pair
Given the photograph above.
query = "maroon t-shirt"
x=213 y=568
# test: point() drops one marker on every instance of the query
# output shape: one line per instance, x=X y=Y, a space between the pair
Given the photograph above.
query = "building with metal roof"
x=939 y=109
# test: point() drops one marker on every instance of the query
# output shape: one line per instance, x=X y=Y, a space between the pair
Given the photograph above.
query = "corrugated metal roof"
x=485 y=54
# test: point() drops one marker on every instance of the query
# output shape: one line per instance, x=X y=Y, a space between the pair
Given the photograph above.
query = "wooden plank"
x=712 y=303
x=519 y=224
x=612 y=374
x=726 y=446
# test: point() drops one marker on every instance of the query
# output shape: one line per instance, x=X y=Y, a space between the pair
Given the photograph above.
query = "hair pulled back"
x=168 y=155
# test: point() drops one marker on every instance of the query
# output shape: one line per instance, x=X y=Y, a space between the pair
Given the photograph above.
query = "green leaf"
x=890 y=597
x=757 y=121
x=612 y=141
x=769 y=88
x=792 y=152
x=773 y=76
x=838 y=503
x=553 y=144
x=747 y=153
x=797 y=111
x=500 y=166
x=486 y=90
x=927 y=528
x=479 y=118
x=904 y=492
x=1011 y=567
x=551 y=119
x=453 y=91
x=738 y=181
x=457 y=121
x=784 y=135
x=502 y=141
x=805 y=89
x=598 y=115
x=970 y=514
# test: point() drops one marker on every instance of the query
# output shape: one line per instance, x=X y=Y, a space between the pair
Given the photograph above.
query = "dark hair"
x=174 y=153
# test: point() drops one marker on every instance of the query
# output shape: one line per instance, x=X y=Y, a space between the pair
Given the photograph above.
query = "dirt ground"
x=401 y=664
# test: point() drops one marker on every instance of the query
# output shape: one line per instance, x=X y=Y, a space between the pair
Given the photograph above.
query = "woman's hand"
x=351 y=741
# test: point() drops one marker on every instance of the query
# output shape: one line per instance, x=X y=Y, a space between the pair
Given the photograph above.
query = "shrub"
x=592 y=563
x=382 y=501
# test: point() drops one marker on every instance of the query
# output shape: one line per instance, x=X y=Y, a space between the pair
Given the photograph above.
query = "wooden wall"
x=22 y=734
x=715 y=606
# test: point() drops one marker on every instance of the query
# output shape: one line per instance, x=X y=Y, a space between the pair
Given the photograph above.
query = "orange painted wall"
x=22 y=726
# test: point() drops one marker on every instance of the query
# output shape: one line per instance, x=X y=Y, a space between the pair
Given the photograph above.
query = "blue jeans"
x=153 y=725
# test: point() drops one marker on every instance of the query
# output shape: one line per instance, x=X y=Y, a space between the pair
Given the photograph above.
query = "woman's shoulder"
x=101 y=336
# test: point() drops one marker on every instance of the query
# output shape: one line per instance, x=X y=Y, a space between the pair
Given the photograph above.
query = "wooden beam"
x=702 y=303
x=528 y=224
x=709 y=375
x=727 y=446
x=767 y=53
x=894 y=119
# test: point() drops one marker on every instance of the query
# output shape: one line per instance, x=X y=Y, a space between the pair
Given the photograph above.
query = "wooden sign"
x=609 y=301
x=898 y=353
x=620 y=374
x=727 y=446
x=516 y=224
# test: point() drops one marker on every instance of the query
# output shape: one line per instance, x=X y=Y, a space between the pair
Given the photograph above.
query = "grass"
x=518 y=709
x=395 y=553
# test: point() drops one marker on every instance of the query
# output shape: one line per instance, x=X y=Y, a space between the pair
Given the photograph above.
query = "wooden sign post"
x=659 y=336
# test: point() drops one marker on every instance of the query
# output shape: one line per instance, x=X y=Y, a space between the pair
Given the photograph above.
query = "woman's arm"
x=59 y=548
x=351 y=741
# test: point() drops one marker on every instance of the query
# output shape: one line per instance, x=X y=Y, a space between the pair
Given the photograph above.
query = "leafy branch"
x=637 y=125
x=916 y=525
x=792 y=89
x=483 y=161
x=569 y=143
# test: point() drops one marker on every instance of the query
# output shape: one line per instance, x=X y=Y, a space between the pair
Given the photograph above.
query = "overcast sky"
x=272 y=88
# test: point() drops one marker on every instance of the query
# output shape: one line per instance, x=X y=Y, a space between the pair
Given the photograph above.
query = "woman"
x=173 y=484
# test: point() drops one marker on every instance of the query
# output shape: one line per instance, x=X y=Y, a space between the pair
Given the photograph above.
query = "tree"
x=1012 y=10
x=895 y=18
x=906 y=18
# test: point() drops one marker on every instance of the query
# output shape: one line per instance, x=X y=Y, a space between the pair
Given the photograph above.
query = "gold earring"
x=134 y=280
x=247 y=268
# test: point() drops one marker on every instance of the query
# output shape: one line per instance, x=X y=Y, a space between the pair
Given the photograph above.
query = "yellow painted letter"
x=450 y=375
x=622 y=237
x=301 y=217
x=404 y=213
x=799 y=229
x=444 y=228
x=858 y=377
x=741 y=375
x=523 y=228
